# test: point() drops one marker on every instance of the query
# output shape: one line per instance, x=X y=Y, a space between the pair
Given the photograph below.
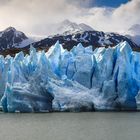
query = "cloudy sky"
x=38 y=16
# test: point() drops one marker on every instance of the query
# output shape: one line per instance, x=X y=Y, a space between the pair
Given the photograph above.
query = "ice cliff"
x=76 y=80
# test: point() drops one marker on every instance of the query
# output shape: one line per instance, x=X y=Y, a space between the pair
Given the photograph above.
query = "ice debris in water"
x=76 y=80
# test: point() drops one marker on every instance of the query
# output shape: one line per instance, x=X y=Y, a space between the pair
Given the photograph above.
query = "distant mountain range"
x=68 y=33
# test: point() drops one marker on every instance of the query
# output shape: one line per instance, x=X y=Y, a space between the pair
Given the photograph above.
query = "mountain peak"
x=11 y=38
x=67 y=26
x=66 y=21
x=10 y=29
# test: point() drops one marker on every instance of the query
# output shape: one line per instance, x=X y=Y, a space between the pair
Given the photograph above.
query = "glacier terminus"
x=77 y=80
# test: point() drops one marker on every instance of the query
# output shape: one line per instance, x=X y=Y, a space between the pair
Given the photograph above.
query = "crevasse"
x=76 y=80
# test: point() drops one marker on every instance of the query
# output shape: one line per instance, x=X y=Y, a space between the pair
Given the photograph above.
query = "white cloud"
x=117 y=20
x=36 y=16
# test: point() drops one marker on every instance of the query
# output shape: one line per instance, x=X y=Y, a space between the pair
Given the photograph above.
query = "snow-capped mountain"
x=72 y=27
x=12 y=38
x=13 y=41
x=67 y=27
x=94 y=38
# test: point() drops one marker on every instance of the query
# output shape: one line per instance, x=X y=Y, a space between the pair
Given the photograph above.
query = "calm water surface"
x=71 y=126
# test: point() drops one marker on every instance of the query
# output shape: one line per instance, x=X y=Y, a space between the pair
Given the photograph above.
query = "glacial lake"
x=71 y=126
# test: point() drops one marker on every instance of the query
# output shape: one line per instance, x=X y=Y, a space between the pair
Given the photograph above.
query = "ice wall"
x=76 y=80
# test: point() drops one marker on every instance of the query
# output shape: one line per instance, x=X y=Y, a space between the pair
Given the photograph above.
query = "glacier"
x=77 y=80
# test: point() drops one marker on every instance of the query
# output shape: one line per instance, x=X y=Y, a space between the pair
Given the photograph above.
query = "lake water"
x=71 y=126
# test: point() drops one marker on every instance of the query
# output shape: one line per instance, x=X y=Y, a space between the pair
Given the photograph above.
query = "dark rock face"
x=94 y=38
x=10 y=38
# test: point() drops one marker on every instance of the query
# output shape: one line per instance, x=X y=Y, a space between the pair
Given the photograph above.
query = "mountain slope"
x=12 y=41
x=94 y=38
x=12 y=38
